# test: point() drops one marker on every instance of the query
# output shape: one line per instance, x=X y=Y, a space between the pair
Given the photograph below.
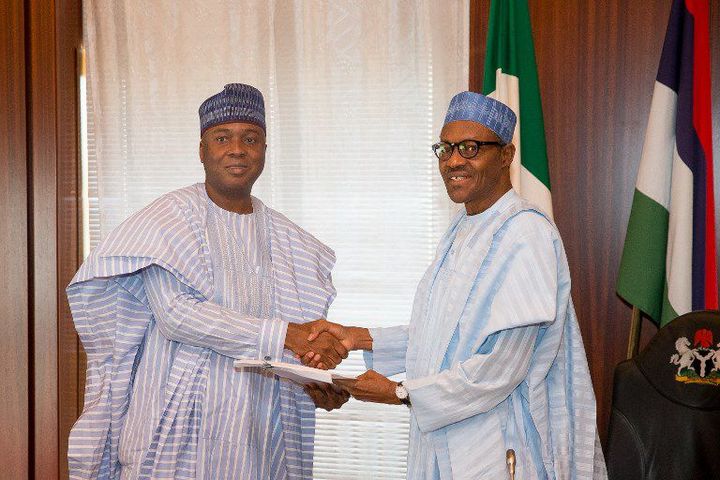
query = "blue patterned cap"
x=486 y=111
x=236 y=103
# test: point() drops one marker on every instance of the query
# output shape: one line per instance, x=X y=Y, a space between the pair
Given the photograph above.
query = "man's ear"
x=201 y=151
x=507 y=155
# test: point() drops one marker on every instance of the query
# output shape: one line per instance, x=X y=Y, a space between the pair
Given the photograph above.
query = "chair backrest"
x=665 y=419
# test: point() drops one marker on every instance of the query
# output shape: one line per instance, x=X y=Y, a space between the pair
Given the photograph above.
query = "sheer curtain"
x=355 y=95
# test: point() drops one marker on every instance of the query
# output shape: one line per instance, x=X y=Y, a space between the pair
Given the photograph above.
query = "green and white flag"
x=511 y=77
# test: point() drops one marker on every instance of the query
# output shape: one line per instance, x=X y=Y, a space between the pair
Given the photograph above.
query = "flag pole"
x=634 y=337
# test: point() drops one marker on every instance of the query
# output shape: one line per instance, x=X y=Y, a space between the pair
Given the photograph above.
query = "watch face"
x=401 y=392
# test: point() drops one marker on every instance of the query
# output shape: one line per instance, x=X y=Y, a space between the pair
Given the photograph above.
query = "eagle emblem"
x=699 y=364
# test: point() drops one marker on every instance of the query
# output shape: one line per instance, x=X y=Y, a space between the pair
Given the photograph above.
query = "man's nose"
x=455 y=159
x=237 y=147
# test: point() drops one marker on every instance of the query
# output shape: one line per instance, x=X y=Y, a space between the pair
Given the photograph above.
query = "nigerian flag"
x=511 y=77
x=668 y=265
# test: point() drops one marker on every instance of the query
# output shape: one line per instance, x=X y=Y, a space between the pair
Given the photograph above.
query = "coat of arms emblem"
x=699 y=364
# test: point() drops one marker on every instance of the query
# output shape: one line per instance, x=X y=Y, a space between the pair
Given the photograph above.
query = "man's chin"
x=235 y=190
x=456 y=197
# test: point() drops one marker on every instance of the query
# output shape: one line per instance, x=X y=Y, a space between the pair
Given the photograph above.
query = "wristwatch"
x=402 y=394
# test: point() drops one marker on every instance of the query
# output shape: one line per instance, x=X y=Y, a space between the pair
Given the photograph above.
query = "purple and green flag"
x=668 y=264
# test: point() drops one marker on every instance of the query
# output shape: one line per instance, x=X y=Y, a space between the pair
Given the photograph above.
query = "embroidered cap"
x=486 y=111
x=237 y=102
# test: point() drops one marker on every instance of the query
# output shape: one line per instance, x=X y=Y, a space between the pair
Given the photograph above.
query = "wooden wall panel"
x=38 y=237
x=71 y=366
x=597 y=63
x=14 y=355
x=42 y=243
x=55 y=33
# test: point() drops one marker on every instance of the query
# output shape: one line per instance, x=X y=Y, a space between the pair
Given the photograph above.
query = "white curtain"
x=355 y=94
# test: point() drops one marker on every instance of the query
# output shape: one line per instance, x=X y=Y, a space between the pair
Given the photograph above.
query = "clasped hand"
x=324 y=344
x=319 y=343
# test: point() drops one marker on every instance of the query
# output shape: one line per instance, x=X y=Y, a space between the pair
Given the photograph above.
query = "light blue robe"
x=162 y=307
x=494 y=357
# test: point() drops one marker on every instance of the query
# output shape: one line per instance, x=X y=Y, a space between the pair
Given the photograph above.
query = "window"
x=355 y=96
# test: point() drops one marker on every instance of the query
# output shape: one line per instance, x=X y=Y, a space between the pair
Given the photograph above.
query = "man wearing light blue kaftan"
x=171 y=297
x=493 y=355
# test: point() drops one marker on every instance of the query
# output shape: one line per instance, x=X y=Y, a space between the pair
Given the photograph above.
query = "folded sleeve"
x=389 y=349
x=184 y=316
x=475 y=385
x=523 y=301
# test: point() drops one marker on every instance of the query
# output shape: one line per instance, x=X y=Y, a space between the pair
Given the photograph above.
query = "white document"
x=297 y=373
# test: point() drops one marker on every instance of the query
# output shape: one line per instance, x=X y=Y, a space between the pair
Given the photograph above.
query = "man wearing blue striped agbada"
x=200 y=277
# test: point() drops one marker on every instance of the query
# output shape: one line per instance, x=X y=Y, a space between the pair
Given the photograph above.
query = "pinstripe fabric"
x=494 y=357
x=162 y=306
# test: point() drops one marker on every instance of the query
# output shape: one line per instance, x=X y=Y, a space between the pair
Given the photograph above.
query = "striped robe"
x=177 y=242
x=494 y=357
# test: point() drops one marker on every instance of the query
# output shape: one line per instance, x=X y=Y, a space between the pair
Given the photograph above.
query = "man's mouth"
x=236 y=169
x=457 y=178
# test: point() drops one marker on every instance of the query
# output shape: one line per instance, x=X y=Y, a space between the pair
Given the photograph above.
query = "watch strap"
x=406 y=399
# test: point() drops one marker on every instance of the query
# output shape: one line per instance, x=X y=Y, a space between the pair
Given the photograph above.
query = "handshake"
x=323 y=344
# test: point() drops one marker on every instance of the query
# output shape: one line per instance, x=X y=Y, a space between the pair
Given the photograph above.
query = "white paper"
x=297 y=373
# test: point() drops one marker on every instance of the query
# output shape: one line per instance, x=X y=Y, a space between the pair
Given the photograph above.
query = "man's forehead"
x=235 y=127
x=467 y=129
